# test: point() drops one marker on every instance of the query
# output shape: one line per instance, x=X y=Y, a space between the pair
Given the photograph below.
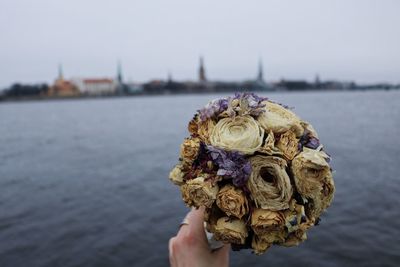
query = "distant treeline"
x=21 y=90
x=34 y=91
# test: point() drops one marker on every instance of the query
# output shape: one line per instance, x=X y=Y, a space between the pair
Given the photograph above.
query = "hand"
x=190 y=247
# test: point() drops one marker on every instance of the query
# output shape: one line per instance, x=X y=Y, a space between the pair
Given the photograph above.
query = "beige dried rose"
x=294 y=239
x=189 y=150
x=275 y=236
x=211 y=216
x=241 y=133
x=328 y=190
x=232 y=201
x=259 y=245
x=317 y=204
x=313 y=179
x=176 y=175
x=269 y=184
x=230 y=231
x=288 y=144
x=265 y=221
x=279 y=119
x=204 y=130
x=309 y=170
x=268 y=146
x=198 y=192
x=296 y=219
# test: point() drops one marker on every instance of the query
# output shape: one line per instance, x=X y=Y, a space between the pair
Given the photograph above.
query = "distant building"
x=133 y=88
x=61 y=87
x=202 y=71
x=293 y=85
x=317 y=82
x=121 y=86
x=260 y=75
x=96 y=86
x=154 y=87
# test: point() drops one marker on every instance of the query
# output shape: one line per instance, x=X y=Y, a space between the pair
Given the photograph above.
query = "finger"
x=195 y=226
x=196 y=223
x=184 y=226
x=222 y=255
x=171 y=251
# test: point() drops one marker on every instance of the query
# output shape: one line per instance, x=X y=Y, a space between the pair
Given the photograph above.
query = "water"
x=84 y=183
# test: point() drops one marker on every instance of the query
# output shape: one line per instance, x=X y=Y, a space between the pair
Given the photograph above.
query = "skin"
x=190 y=247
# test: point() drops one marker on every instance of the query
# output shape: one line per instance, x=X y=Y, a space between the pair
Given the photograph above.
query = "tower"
x=260 y=77
x=60 y=73
x=119 y=73
x=317 y=81
x=169 y=77
x=120 y=87
x=202 y=72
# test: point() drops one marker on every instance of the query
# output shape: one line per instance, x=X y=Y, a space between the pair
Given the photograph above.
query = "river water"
x=84 y=182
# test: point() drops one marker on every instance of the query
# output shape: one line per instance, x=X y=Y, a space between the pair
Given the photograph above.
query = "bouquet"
x=258 y=169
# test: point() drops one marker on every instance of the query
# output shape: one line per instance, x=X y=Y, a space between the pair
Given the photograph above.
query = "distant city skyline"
x=344 y=40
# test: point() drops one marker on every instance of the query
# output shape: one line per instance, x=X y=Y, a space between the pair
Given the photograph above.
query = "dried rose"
x=244 y=104
x=313 y=179
x=241 y=134
x=309 y=169
x=288 y=144
x=279 y=119
x=269 y=184
x=204 y=130
x=295 y=218
x=317 y=204
x=265 y=221
x=198 y=192
x=232 y=201
x=176 y=175
x=211 y=216
x=259 y=245
x=230 y=231
x=189 y=150
x=269 y=147
x=193 y=126
x=274 y=236
x=294 y=239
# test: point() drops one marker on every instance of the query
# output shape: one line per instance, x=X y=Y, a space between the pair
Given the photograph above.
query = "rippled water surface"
x=84 y=183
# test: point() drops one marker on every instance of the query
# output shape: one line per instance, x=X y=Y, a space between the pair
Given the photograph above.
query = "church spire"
x=60 y=72
x=260 y=71
x=169 y=77
x=119 y=72
x=202 y=72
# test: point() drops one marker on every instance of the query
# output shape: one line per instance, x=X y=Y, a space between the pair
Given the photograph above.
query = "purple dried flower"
x=223 y=104
x=253 y=100
x=251 y=103
x=213 y=108
x=231 y=164
x=312 y=143
x=308 y=141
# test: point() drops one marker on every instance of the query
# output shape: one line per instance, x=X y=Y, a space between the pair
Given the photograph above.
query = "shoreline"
x=86 y=97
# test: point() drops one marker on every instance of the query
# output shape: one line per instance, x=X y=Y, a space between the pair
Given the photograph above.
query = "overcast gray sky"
x=342 y=39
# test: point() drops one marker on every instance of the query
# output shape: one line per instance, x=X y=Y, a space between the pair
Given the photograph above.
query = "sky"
x=356 y=40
